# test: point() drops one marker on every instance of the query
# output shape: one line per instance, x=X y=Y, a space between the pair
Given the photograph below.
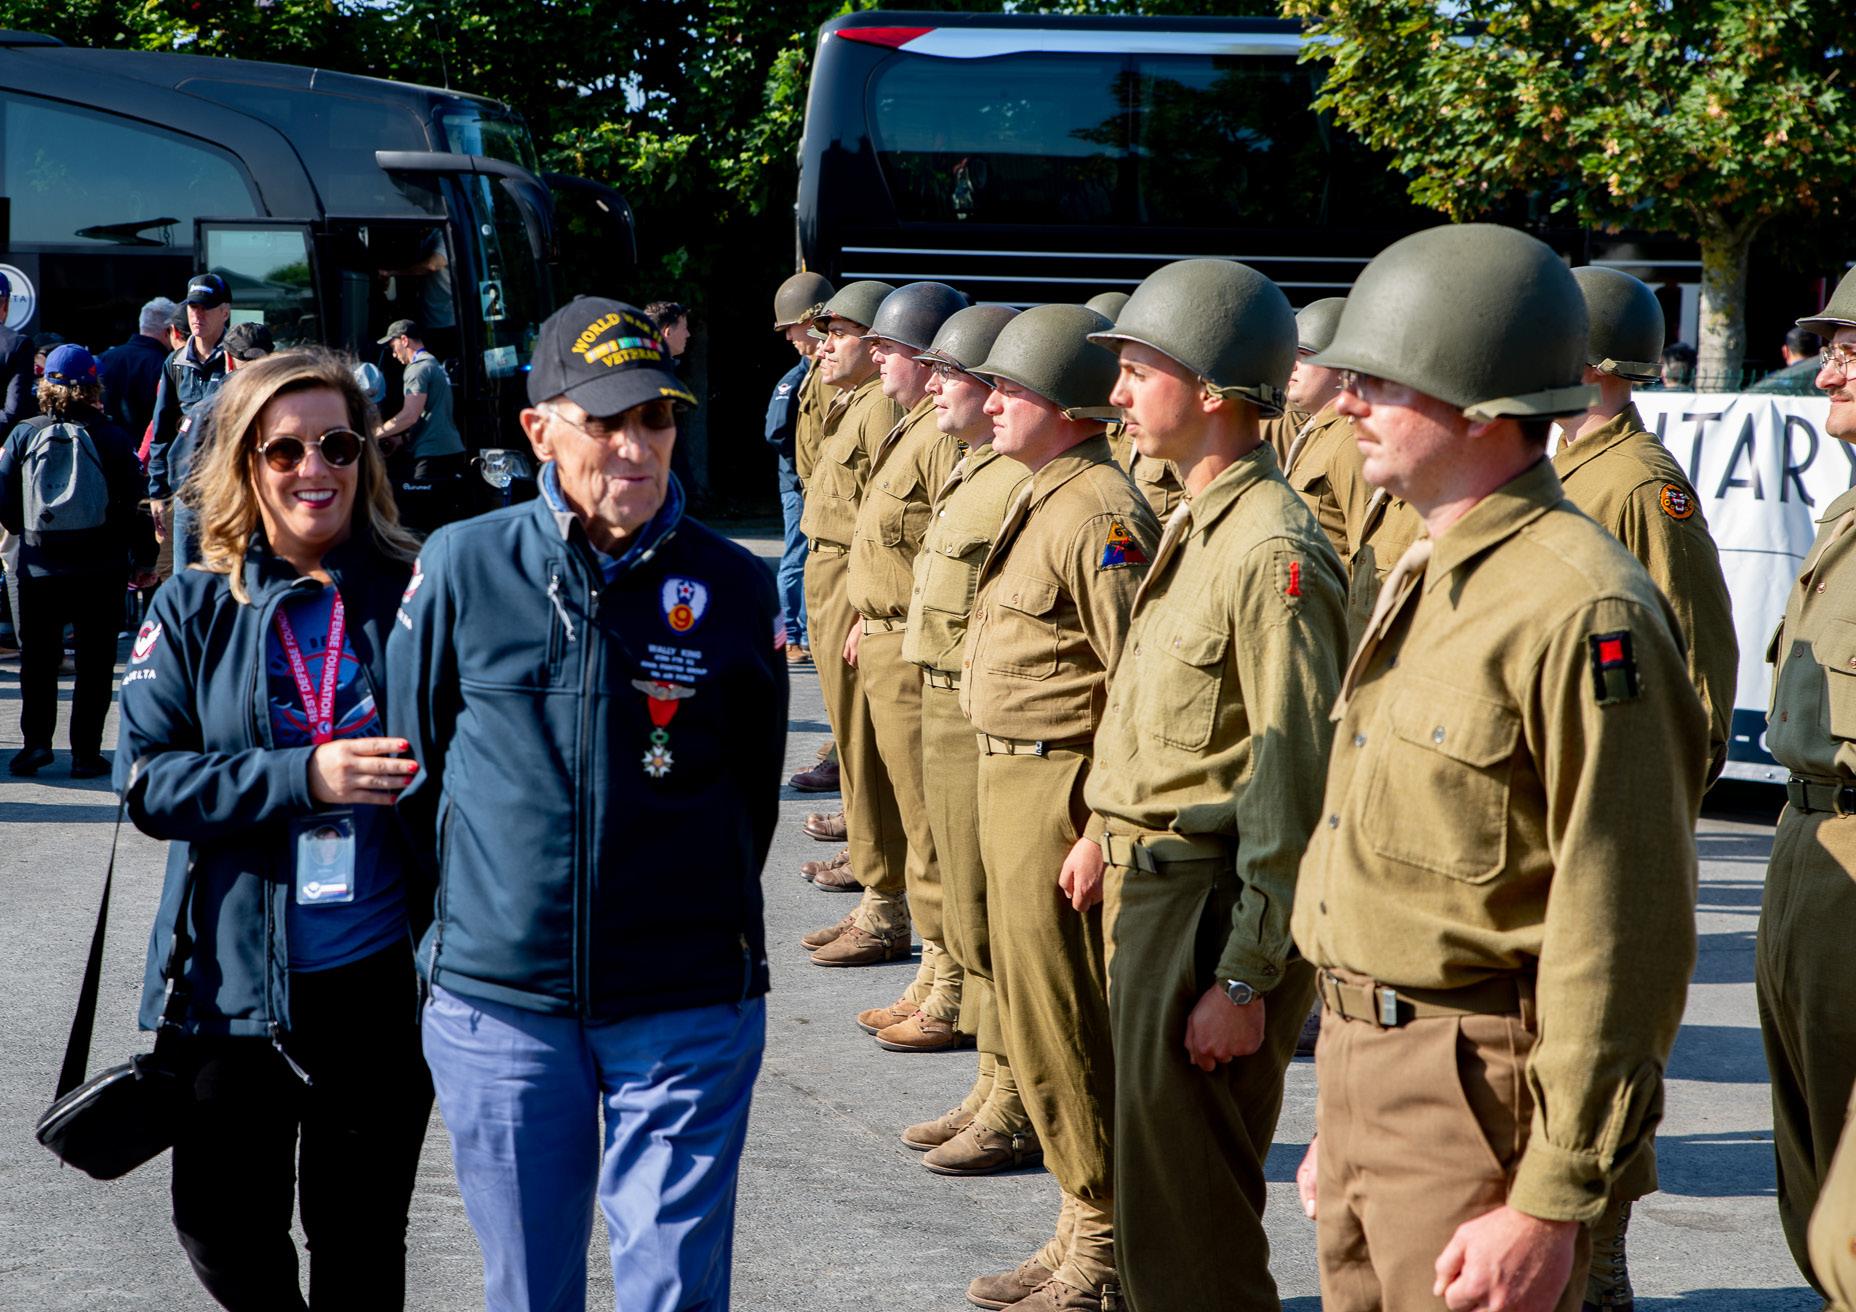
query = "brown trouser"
x=1421 y=1127
x=951 y=764
x=878 y=843
x=1833 y=1224
x=1805 y=976
x=1051 y=985
x=1190 y=1147
x=892 y=689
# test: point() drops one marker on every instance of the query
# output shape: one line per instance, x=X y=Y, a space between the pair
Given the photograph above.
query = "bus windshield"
x=1181 y=141
x=473 y=130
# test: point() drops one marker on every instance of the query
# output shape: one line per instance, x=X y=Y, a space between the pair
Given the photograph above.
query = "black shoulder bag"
x=109 y=1125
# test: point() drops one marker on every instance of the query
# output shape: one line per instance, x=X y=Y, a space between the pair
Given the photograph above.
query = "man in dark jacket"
x=131 y=372
x=590 y=685
x=193 y=373
x=68 y=487
x=17 y=376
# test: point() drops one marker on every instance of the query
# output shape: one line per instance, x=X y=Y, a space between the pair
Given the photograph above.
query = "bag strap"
x=77 y=1047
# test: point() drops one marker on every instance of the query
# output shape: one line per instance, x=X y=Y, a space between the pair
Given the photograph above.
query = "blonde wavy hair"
x=222 y=487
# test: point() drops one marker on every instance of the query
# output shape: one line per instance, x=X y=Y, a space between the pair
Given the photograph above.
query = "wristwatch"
x=1240 y=993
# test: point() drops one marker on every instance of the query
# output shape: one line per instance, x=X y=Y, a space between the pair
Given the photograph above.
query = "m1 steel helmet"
x=968 y=335
x=1624 y=333
x=799 y=298
x=1049 y=350
x=912 y=314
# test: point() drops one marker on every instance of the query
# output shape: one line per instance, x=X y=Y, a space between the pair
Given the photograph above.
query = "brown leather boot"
x=877 y=1018
x=798 y=654
x=1008 y=1287
x=818 y=938
x=932 y=1134
x=1055 y=1295
x=813 y=869
x=977 y=1150
x=826 y=828
x=857 y=947
x=820 y=778
x=920 y=1032
x=838 y=879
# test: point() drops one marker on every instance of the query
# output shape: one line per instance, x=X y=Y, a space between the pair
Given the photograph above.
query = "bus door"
x=598 y=239
x=270 y=267
x=377 y=271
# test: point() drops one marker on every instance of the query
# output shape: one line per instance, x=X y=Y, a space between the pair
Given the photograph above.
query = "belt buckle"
x=1388 y=1006
x=1037 y=748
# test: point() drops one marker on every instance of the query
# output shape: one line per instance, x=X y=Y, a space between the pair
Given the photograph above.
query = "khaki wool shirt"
x=1511 y=795
x=1811 y=723
x=1054 y=598
x=809 y=429
x=1280 y=432
x=1379 y=527
x=1323 y=466
x=856 y=423
x=1156 y=480
x=910 y=466
x=1217 y=720
x=1624 y=478
x=967 y=515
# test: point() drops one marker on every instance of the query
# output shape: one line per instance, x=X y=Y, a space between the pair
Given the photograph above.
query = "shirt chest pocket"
x=892 y=498
x=1182 y=671
x=950 y=570
x=1835 y=649
x=1024 y=639
x=1439 y=796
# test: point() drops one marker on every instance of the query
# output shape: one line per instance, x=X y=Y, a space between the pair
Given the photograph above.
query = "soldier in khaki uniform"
x=990 y=1130
x=1206 y=782
x=1385 y=527
x=1833 y=1225
x=1156 y=480
x=1500 y=893
x=856 y=422
x=795 y=305
x=1805 y=972
x=1323 y=459
x=1620 y=475
x=910 y=463
x=1052 y=612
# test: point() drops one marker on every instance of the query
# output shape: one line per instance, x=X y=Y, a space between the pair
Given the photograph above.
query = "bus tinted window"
x=1018 y=139
x=473 y=132
x=337 y=137
x=81 y=178
x=1184 y=141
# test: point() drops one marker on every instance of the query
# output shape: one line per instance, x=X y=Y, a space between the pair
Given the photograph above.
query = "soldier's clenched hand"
x=1218 y=1029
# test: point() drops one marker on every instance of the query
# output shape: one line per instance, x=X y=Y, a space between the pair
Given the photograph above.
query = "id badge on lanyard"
x=322 y=844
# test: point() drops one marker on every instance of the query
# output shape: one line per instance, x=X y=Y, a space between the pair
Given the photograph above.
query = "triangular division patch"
x=1614 y=667
x=1120 y=548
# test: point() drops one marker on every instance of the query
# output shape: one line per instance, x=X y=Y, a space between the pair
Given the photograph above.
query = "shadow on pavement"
x=1733 y=1165
x=64 y=813
x=1725 y=958
x=1719 y=1054
x=1735 y=1300
x=1737 y=799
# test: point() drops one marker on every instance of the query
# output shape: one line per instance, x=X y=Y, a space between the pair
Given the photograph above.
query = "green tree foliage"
x=1705 y=119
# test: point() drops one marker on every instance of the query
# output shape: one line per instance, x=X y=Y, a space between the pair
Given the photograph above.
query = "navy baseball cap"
x=605 y=356
x=71 y=365
x=207 y=290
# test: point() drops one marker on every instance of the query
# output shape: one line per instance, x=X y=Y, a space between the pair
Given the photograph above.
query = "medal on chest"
x=661 y=700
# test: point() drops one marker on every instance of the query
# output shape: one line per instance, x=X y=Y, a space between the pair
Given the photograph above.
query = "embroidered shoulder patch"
x=1120 y=548
x=1614 y=668
x=1676 y=502
x=684 y=601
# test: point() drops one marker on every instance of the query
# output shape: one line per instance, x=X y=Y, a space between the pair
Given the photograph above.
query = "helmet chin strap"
x=1268 y=398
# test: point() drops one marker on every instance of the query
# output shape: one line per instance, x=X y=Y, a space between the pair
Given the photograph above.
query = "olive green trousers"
x=875 y=834
x=951 y=768
x=1805 y=975
x=1190 y=1146
x=892 y=690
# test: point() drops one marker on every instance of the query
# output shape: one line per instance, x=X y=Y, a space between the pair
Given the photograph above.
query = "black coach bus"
x=1038 y=157
x=331 y=204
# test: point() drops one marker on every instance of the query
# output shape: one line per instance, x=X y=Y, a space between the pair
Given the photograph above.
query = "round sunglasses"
x=339 y=448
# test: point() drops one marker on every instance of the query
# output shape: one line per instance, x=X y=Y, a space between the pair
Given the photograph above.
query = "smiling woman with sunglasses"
x=252 y=740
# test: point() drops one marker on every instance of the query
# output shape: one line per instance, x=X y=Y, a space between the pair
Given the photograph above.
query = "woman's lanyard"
x=319 y=706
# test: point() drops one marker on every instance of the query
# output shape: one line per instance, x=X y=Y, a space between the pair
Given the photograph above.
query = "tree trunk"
x=1722 y=348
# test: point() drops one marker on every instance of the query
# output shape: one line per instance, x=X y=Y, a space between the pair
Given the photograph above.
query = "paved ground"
x=835 y=1213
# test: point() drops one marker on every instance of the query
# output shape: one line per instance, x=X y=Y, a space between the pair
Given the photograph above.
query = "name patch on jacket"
x=673 y=664
x=1614 y=668
x=684 y=602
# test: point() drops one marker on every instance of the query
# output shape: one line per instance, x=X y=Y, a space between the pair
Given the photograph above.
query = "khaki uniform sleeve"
x=1104 y=597
x=1288 y=650
x=1351 y=492
x=937 y=466
x=1614 y=724
x=1683 y=561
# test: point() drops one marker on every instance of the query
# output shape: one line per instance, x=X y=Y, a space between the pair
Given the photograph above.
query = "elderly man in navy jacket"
x=590 y=683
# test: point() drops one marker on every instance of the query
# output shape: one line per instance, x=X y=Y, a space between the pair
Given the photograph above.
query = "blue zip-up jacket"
x=196 y=715
x=783 y=423
x=186 y=380
x=591 y=861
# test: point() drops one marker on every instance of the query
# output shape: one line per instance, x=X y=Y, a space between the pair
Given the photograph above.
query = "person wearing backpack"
x=69 y=483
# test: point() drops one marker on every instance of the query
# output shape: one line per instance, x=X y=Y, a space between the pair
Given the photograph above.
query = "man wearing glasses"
x=590 y=686
x=1499 y=896
x=1804 y=970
